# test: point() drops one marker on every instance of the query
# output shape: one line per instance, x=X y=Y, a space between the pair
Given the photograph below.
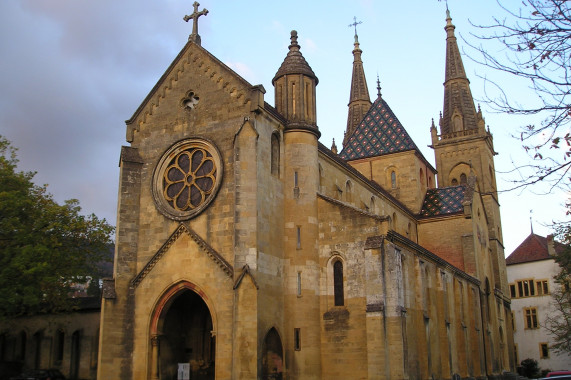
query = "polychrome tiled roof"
x=379 y=133
x=443 y=201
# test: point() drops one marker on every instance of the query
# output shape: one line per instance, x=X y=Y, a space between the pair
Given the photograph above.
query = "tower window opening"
x=275 y=155
x=297 y=339
x=393 y=179
x=338 y=283
x=293 y=98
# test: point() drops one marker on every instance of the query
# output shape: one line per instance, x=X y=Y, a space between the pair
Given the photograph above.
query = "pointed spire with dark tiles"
x=459 y=110
x=378 y=133
x=359 y=100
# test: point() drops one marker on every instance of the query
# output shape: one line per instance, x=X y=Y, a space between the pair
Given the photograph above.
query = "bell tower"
x=464 y=147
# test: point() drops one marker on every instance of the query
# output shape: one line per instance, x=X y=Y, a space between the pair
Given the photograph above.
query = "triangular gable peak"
x=194 y=56
x=380 y=132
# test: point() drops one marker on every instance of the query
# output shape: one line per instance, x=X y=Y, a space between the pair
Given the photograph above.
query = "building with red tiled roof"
x=531 y=268
x=535 y=248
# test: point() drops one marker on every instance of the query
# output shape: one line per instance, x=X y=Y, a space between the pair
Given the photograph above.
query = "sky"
x=72 y=72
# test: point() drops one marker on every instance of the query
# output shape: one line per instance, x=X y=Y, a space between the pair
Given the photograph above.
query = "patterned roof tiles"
x=380 y=132
x=443 y=201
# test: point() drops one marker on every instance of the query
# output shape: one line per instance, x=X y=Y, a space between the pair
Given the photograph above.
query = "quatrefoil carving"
x=190 y=101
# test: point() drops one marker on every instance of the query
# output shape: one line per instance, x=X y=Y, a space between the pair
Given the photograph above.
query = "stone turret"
x=294 y=85
x=295 y=99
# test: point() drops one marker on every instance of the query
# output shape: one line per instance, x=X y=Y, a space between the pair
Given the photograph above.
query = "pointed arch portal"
x=272 y=357
x=182 y=332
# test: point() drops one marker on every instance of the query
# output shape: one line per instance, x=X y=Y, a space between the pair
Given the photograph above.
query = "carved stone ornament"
x=187 y=178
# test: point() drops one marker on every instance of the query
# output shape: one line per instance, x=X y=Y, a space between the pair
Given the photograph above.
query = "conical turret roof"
x=294 y=62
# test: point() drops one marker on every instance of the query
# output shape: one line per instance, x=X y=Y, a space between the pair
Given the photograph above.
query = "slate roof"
x=379 y=133
x=443 y=201
x=533 y=248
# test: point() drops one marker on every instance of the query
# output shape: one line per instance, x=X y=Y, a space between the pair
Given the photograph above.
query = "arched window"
x=38 y=339
x=348 y=195
x=458 y=123
x=393 y=179
x=454 y=182
x=338 y=283
x=59 y=343
x=275 y=159
x=463 y=179
x=394 y=221
x=421 y=175
x=21 y=346
x=487 y=294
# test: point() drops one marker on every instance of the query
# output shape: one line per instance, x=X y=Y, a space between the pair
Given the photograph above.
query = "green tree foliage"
x=559 y=324
x=534 y=38
x=44 y=246
x=529 y=368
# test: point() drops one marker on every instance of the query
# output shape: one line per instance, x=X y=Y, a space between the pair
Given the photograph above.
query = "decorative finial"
x=194 y=16
x=334 y=147
x=530 y=220
x=293 y=38
x=378 y=86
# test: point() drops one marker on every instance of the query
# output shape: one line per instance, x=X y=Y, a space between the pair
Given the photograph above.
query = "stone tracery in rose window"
x=187 y=178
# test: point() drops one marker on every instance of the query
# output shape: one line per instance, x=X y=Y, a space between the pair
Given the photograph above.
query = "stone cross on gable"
x=194 y=16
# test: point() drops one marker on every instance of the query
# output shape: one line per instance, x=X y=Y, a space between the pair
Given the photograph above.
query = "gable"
x=191 y=88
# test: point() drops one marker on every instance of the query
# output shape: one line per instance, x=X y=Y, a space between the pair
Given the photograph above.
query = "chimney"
x=550 y=245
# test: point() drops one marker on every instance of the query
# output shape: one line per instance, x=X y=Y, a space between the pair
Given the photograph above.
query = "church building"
x=246 y=249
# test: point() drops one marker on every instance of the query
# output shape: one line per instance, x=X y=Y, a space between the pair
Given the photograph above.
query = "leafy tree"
x=559 y=324
x=44 y=246
x=535 y=40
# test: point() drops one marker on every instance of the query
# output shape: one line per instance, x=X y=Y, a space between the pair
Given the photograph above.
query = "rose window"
x=187 y=179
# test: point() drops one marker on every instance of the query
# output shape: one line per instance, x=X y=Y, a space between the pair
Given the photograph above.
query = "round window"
x=187 y=178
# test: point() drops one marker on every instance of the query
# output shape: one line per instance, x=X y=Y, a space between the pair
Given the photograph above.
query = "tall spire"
x=359 y=100
x=459 y=110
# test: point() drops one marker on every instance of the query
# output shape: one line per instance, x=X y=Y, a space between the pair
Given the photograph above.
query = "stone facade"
x=246 y=249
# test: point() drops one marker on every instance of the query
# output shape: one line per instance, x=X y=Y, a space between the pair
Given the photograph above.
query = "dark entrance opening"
x=272 y=357
x=186 y=338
